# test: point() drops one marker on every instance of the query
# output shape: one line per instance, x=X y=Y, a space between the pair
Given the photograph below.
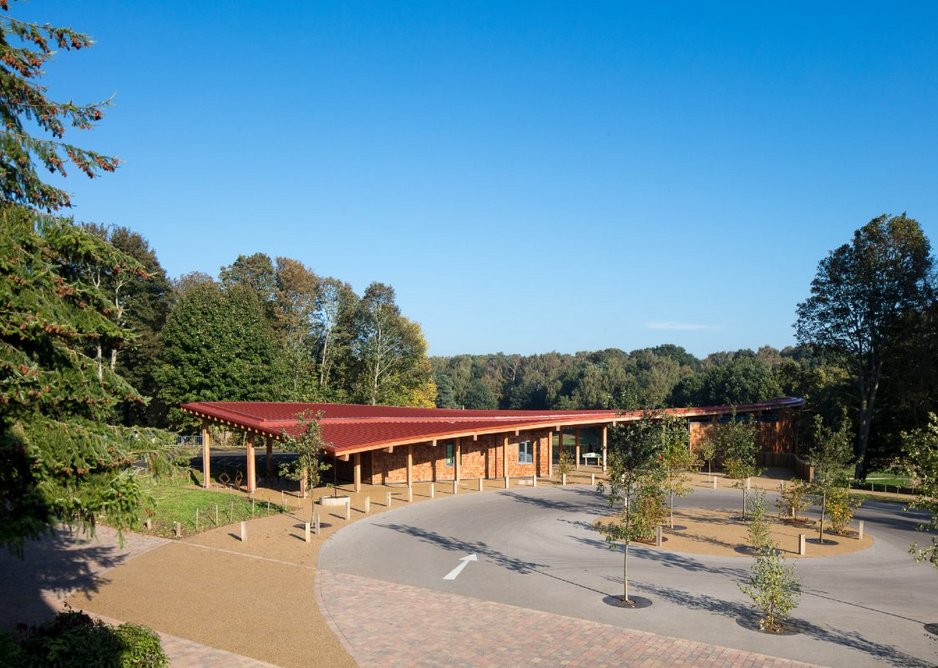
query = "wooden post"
x=348 y=509
x=177 y=529
x=480 y=484
x=534 y=480
x=550 y=454
x=307 y=532
x=860 y=531
x=389 y=500
x=270 y=458
x=605 y=446
x=410 y=464
x=410 y=494
x=244 y=532
x=505 y=459
x=206 y=455
x=576 y=446
x=455 y=488
x=252 y=474
x=357 y=468
x=714 y=481
x=802 y=547
x=658 y=535
x=593 y=479
x=303 y=483
x=316 y=522
x=563 y=479
x=367 y=504
x=458 y=456
x=432 y=490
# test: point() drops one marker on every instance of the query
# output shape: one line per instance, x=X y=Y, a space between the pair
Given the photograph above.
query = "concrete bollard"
x=658 y=535
x=244 y=532
x=410 y=494
x=593 y=479
x=348 y=509
x=432 y=490
x=455 y=487
x=480 y=485
x=316 y=523
x=563 y=479
x=860 y=531
x=307 y=532
x=802 y=545
x=367 y=504
x=389 y=500
x=534 y=480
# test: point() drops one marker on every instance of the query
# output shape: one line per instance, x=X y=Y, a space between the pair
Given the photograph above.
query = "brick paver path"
x=387 y=624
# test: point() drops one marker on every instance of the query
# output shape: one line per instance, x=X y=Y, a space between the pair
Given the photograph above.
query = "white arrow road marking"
x=453 y=574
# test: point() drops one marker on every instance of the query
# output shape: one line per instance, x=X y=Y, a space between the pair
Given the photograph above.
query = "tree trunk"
x=625 y=573
x=823 y=509
x=867 y=400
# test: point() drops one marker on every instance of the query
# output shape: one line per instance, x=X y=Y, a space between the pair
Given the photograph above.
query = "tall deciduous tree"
x=25 y=50
x=860 y=294
x=294 y=310
x=391 y=353
x=920 y=459
x=217 y=346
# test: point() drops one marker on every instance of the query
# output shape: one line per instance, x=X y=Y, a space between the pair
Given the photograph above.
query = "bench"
x=595 y=456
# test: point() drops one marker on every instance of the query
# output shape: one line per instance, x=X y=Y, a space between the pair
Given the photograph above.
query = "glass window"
x=525 y=452
x=450 y=454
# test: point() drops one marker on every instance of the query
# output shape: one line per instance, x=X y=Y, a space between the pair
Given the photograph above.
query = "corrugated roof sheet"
x=354 y=427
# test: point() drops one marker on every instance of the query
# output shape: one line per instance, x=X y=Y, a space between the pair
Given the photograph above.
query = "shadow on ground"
x=50 y=569
x=736 y=610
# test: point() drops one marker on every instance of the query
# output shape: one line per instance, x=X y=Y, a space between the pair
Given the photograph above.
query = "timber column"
x=576 y=447
x=605 y=445
x=357 y=468
x=458 y=455
x=410 y=464
x=252 y=474
x=270 y=458
x=505 y=459
x=206 y=455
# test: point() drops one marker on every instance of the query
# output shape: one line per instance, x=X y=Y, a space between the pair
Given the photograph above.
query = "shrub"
x=774 y=588
x=758 y=527
x=841 y=507
x=794 y=499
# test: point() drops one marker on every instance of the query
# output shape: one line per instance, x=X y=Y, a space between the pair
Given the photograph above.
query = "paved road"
x=536 y=550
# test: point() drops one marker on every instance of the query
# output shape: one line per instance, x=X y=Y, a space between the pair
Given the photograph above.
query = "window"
x=525 y=452
x=450 y=454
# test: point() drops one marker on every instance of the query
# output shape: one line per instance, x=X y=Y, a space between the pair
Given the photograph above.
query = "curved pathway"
x=536 y=593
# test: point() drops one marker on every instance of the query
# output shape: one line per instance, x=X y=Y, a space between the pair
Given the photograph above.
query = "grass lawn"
x=175 y=500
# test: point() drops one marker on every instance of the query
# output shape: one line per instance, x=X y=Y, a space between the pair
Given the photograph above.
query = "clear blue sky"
x=528 y=176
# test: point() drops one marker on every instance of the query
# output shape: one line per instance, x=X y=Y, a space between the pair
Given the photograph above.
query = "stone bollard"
x=534 y=480
x=432 y=490
x=860 y=531
x=593 y=479
x=316 y=523
x=480 y=484
x=348 y=509
x=367 y=504
x=244 y=532
x=455 y=487
x=563 y=479
x=410 y=494
x=389 y=500
x=802 y=545
x=658 y=535
x=307 y=532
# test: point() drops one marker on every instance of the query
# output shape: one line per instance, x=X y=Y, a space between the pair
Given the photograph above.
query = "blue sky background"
x=528 y=176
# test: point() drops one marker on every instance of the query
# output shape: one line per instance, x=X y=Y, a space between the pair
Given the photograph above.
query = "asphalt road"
x=536 y=549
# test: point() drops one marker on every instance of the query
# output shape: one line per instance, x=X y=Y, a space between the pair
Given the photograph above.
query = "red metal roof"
x=355 y=428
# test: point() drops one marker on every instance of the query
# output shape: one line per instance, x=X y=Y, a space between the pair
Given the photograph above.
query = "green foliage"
x=759 y=525
x=793 y=498
x=59 y=460
x=217 y=345
x=564 y=461
x=831 y=454
x=774 y=589
x=920 y=459
x=73 y=639
x=841 y=507
x=736 y=445
x=677 y=460
x=309 y=446
x=635 y=455
x=25 y=50
x=860 y=296
x=706 y=451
